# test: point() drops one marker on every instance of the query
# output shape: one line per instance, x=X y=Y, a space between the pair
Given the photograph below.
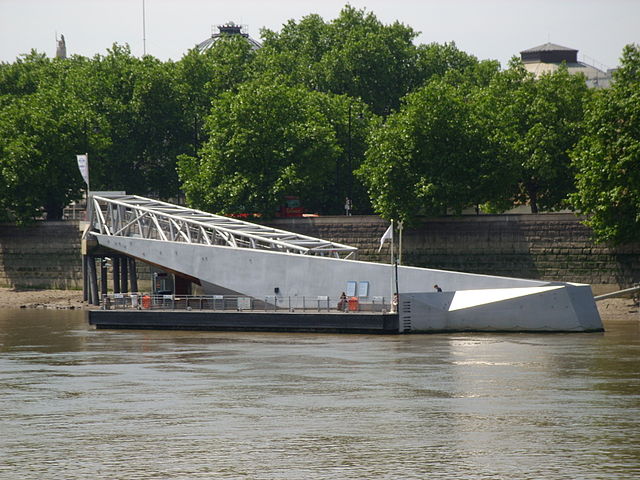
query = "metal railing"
x=618 y=293
x=132 y=216
x=268 y=303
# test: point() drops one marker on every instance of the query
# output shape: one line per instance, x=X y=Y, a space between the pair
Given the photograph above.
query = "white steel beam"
x=160 y=220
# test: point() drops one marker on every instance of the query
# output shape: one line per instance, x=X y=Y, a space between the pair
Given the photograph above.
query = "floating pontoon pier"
x=227 y=256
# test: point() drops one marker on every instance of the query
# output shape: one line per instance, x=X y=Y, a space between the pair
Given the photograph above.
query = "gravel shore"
x=55 y=299
x=612 y=309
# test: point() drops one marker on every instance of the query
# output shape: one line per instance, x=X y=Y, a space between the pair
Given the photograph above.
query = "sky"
x=488 y=29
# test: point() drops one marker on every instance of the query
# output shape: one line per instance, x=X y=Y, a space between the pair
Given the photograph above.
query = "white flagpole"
x=393 y=267
x=88 y=190
x=144 y=31
x=89 y=206
x=399 y=262
x=88 y=176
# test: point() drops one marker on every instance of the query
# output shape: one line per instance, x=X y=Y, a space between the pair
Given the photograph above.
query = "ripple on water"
x=79 y=403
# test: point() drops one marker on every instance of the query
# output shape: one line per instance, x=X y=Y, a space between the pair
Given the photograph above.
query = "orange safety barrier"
x=353 y=304
x=146 y=301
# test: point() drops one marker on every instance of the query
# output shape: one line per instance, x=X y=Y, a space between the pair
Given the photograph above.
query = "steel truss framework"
x=139 y=217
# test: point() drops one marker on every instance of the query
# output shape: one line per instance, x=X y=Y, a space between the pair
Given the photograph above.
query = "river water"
x=78 y=403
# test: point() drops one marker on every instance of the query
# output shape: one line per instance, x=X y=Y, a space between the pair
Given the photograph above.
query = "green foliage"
x=203 y=76
x=607 y=157
x=354 y=54
x=265 y=142
x=139 y=101
x=431 y=156
x=429 y=129
x=437 y=59
x=535 y=122
x=23 y=76
x=38 y=132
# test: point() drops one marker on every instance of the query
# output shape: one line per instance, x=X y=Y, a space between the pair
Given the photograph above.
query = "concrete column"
x=133 y=274
x=124 y=274
x=85 y=279
x=116 y=274
x=103 y=276
x=93 y=282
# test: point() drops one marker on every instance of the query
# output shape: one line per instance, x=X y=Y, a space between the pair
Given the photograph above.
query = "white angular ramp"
x=256 y=272
x=553 y=308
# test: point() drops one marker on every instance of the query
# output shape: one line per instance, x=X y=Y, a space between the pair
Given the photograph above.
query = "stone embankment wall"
x=546 y=246
x=46 y=255
x=43 y=255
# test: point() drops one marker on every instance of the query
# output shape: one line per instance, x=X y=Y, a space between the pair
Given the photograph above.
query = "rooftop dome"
x=547 y=58
x=549 y=53
x=228 y=29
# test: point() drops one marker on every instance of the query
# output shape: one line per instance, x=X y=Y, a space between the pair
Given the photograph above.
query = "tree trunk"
x=54 y=212
x=532 y=192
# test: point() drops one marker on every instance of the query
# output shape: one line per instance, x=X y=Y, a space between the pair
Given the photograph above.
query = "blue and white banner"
x=83 y=165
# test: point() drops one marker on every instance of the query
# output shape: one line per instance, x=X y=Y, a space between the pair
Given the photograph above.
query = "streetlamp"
x=350 y=171
x=349 y=158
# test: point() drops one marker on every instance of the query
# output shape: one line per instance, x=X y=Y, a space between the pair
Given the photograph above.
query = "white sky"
x=495 y=29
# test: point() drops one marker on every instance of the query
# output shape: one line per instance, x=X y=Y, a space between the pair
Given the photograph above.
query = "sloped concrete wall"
x=551 y=308
x=257 y=273
x=544 y=247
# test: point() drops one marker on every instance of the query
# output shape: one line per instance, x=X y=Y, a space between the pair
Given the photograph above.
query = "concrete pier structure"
x=229 y=256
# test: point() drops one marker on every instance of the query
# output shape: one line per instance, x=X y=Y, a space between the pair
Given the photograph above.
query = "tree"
x=265 y=142
x=24 y=75
x=536 y=122
x=433 y=155
x=357 y=55
x=202 y=76
x=139 y=100
x=607 y=158
x=438 y=59
x=39 y=135
x=127 y=113
x=293 y=55
x=354 y=54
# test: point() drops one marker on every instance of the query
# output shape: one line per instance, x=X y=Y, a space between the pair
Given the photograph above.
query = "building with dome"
x=228 y=29
x=547 y=58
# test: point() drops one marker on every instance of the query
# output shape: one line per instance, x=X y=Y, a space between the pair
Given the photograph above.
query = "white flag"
x=83 y=165
x=388 y=236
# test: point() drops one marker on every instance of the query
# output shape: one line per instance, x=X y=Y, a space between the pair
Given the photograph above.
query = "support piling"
x=116 y=274
x=133 y=275
x=93 y=282
x=103 y=276
x=124 y=274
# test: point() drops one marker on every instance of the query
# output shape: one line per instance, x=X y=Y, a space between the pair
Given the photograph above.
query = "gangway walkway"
x=139 y=217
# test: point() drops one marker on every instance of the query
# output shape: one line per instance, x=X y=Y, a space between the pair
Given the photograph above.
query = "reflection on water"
x=80 y=403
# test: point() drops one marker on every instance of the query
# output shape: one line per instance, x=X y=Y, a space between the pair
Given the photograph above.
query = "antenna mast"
x=144 y=31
